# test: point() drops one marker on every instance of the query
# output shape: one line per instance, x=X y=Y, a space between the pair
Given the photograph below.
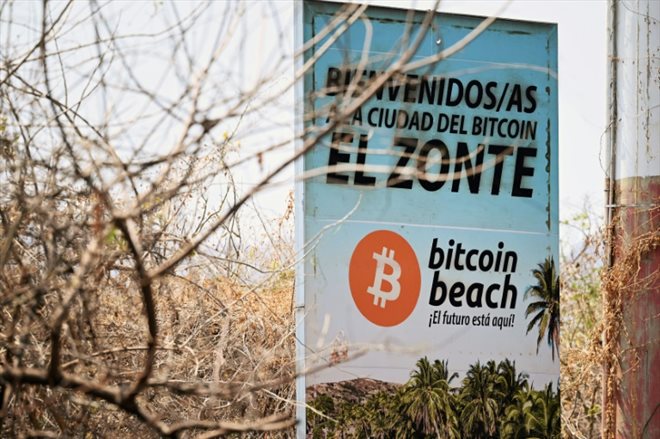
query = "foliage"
x=428 y=400
x=545 y=308
x=493 y=401
x=130 y=303
x=581 y=315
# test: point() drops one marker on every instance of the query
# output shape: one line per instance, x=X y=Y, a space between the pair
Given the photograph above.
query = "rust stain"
x=639 y=393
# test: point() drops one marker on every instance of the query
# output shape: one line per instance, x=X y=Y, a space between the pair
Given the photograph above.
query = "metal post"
x=608 y=415
x=632 y=378
x=299 y=128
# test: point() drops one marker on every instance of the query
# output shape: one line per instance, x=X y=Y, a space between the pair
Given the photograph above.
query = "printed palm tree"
x=355 y=421
x=519 y=415
x=428 y=400
x=320 y=416
x=547 y=412
x=509 y=382
x=545 y=308
x=442 y=370
x=450 y=427
x=481 y=396
x=385 y=417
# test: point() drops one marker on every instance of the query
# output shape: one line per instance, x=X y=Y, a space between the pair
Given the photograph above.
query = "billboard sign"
x=428 y=200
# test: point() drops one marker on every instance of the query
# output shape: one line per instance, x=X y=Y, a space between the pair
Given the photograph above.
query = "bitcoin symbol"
x=376 y=278
x=382 y=260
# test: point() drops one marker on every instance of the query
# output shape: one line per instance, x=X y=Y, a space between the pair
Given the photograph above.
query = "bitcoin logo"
x=383 y=260
x=384 y=278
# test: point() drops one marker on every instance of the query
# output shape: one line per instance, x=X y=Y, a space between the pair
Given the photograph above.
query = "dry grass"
x=595 y=336
x=581 y=318
x=225 y=353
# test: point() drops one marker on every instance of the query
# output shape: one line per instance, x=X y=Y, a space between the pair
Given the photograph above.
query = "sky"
x=582 y=28
x=582 y=77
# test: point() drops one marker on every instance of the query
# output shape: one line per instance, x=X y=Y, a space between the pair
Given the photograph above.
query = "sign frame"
x=303 y=32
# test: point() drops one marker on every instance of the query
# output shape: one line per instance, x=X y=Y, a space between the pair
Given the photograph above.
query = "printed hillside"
x=355 y=391
x=494 y=400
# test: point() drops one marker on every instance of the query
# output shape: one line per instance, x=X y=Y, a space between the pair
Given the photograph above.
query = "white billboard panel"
x=428 y=211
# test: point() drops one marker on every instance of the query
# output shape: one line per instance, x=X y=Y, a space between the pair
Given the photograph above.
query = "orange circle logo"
x=384 y=278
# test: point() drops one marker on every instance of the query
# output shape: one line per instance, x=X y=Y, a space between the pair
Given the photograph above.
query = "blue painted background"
x=338 y=216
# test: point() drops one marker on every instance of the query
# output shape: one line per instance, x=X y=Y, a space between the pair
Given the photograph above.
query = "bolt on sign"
x=428 y=213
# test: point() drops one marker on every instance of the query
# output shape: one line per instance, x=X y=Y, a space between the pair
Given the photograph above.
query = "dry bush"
x=581 y=328
x=632 y=277
x=135 y=302
x=132 y=305
x=226 y=353
x=93 y=345
x=595 y=349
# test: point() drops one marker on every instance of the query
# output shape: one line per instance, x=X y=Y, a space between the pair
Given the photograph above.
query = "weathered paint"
x=638 y=397
x=634 y=213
